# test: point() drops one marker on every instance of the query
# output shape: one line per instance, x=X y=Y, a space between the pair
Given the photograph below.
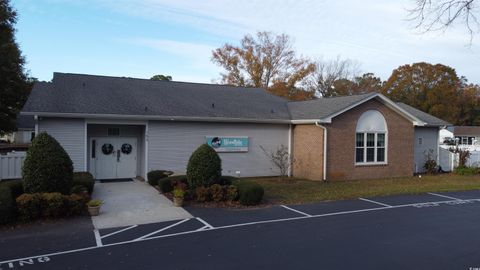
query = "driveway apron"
x=132 y=203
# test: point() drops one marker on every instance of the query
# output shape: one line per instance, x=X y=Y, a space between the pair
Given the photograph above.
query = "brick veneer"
x=341 y=145
x=307 y=150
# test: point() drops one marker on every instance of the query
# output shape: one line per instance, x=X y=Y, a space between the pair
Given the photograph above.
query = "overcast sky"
x=141 y=38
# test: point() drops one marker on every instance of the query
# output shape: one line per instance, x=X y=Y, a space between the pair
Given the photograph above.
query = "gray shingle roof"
x=25 y=122
x=323 y=107
x=89 y=94
x=425 y=117
x=466 y=130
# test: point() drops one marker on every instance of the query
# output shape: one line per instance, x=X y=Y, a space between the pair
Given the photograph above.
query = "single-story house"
x=24 y=133
x=117 y=127
x=467 y=135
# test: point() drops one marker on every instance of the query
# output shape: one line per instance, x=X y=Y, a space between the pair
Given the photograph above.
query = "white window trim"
x=373 y=163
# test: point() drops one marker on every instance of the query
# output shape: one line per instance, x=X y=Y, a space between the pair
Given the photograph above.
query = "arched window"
x=371 y=139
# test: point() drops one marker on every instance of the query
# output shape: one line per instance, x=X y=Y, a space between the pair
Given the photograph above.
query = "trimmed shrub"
x=166 y=184
x=154 y=176
x=15 y=186
x=231 y=193
x=74 y=204
x=79 y=189
x=216 y=191
x=226 y=180
x=204 y=167
x=84 y=179
x=202 y=194
x=47 y=167
x=29 y=206
x=52 y=205
x=249 y=193
x=7 y=205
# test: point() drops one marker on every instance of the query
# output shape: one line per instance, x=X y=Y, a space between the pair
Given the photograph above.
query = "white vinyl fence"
x=448 y=160
x=11 y=165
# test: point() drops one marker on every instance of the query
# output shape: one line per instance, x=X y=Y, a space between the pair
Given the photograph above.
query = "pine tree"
x=14 y=84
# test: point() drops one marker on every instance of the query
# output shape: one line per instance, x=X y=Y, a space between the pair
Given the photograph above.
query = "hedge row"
x=49 y=205
x=166 y=184
x=11 y=190
x=216 y=193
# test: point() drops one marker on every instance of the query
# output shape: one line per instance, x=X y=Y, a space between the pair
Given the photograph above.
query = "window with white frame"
x=371 y=139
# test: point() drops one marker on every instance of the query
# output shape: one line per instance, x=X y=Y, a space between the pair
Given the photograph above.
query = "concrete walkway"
x=131 y=203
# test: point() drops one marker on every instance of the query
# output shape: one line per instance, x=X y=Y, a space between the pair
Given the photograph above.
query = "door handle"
x=118 y=155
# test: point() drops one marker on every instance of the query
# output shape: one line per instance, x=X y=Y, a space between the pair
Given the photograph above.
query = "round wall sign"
x=126 y=148
x=107 y=149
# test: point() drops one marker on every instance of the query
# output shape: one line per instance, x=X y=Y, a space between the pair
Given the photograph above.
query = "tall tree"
x=161 y=78
x=366 y=83
x=330 y=72
x=441 y=14
x=434 y=89
x=469 y=105
x=14 y=84
x=267 y=61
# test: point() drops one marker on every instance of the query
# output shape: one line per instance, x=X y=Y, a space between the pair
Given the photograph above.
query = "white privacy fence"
x=11 y=165
x=448 y=160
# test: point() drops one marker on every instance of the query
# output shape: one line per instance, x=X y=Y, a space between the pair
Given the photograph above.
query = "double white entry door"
x=115 y=157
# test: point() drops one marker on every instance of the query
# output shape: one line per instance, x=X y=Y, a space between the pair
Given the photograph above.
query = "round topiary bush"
x=204 y=167
x=47 y=167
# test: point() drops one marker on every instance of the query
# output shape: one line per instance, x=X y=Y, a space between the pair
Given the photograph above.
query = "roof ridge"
x=149 y=80
x=335 y=97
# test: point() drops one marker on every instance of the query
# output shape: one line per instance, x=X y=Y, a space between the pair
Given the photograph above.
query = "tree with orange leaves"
x=267 y=61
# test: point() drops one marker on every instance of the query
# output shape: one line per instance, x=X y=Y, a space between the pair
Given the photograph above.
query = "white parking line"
x=444 y=196
x=379 y=203
x=119 y=231
x=295 y=210
x=161 y=230
x=98 y=239
x=208 y=226
x=143 y=238
x=202 y=228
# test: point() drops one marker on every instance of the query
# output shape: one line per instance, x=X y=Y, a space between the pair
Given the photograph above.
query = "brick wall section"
x=341 y=145
x=307 y=150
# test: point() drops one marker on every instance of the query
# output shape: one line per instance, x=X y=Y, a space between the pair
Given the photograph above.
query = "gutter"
x=324 y=150
x=158 y=117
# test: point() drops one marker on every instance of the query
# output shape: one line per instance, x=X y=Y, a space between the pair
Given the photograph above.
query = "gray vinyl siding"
x=170 y=145
x=70 y=133
x=429 y=140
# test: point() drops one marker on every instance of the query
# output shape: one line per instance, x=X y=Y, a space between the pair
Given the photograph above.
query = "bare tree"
x=280 y=157
x=434 y=15
x=330 y=71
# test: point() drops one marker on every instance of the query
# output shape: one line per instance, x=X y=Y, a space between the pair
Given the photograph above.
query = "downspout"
x=324 y=150
x=35 y=117
x=289 y=150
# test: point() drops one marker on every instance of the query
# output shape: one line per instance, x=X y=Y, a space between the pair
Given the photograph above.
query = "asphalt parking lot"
x=427 y=231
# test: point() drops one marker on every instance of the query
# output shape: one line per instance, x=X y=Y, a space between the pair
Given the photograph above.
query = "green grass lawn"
x=295 y=191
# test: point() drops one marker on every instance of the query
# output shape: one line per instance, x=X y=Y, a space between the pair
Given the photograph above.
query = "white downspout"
x=35 y=117
x=289 y=150
x=324 y=150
